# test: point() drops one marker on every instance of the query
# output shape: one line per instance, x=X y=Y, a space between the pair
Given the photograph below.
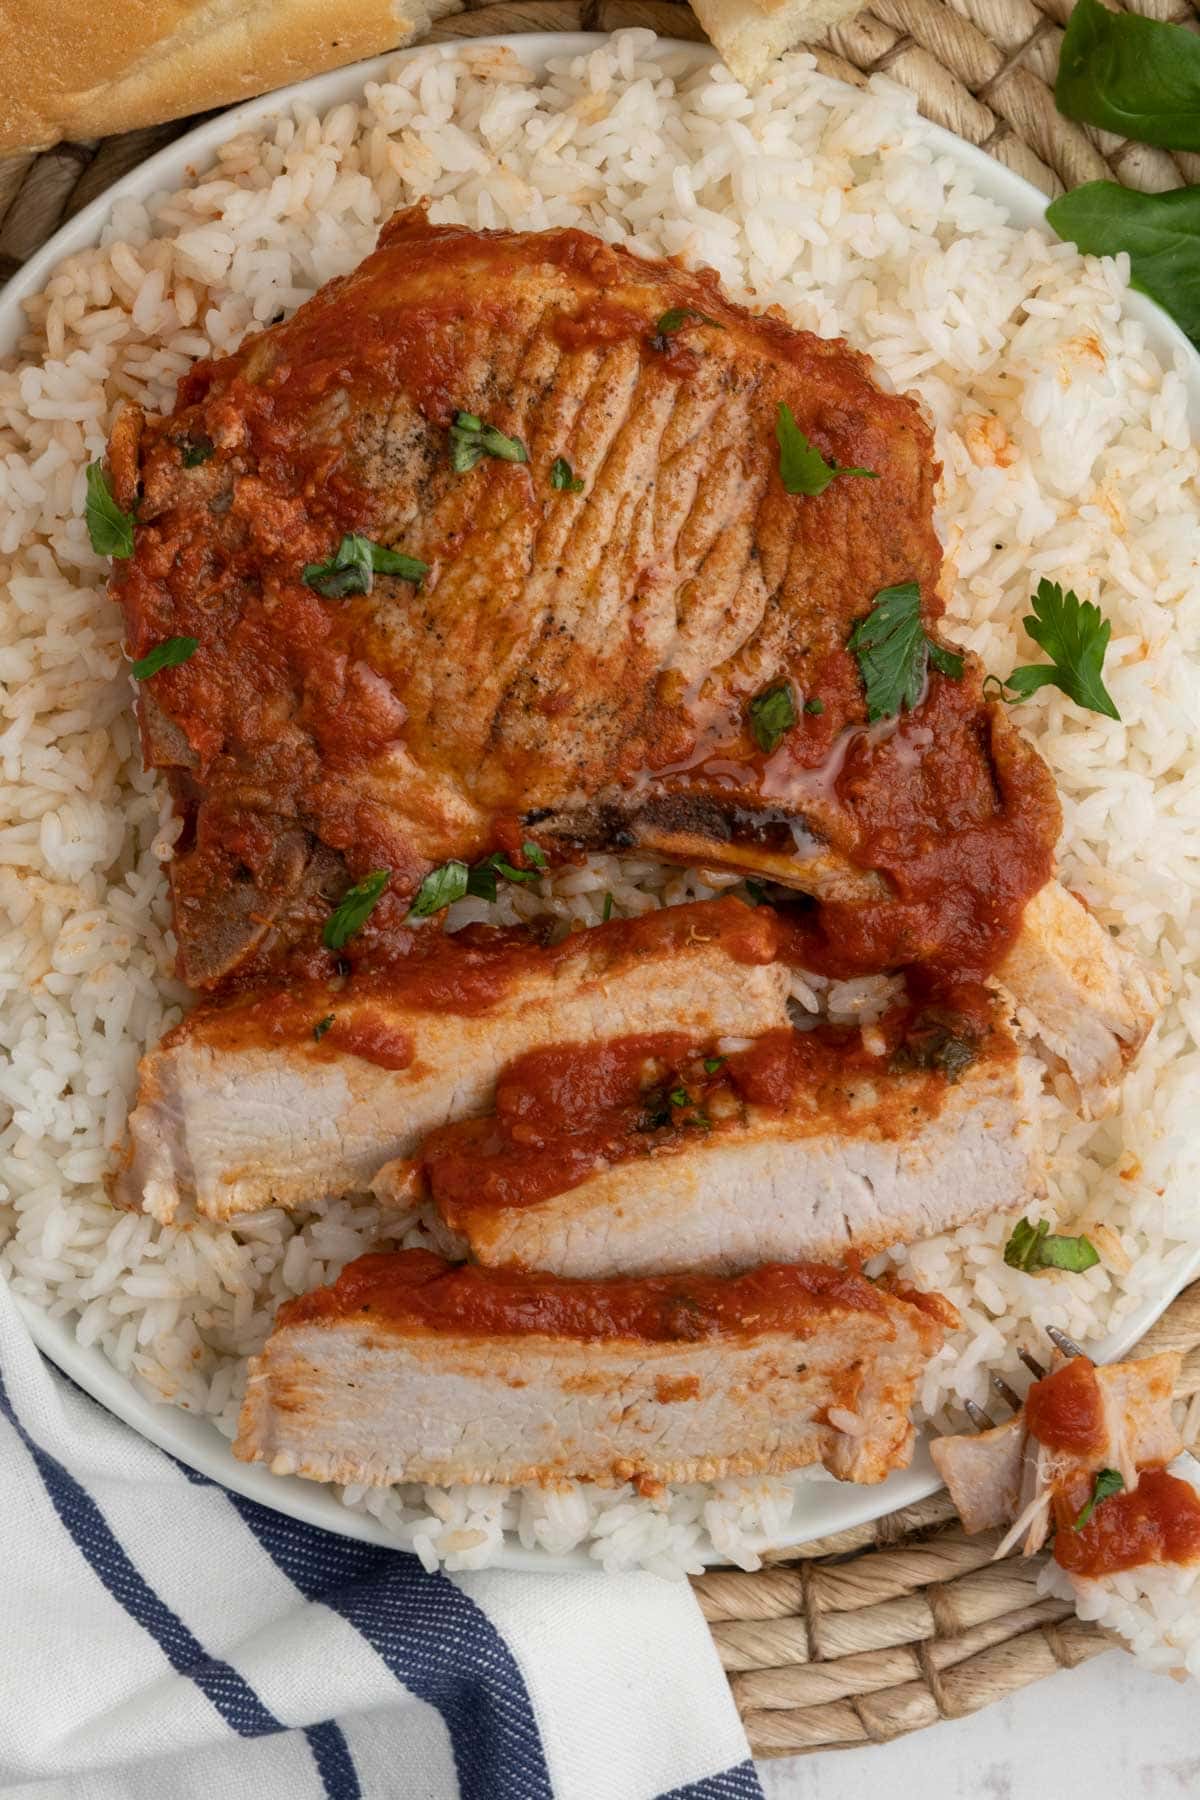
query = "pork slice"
x=289 y=1095
x=983 y=1472
x=1089 y=1002
x=412 y=1369
x=853 y=1161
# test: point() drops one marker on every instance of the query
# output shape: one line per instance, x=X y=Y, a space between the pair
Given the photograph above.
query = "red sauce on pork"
x=1156 y=1522
x=416 y=1292
x=1065 y=1411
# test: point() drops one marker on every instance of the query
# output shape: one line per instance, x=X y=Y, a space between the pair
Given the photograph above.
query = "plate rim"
x=192 y=1438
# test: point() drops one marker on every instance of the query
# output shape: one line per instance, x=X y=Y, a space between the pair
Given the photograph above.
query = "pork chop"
x=640 y=1157
x=284 y=1097
x=412 y=1369
x=583 y=665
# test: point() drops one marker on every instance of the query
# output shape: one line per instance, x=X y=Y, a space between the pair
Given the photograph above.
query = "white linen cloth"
x=162 y=1638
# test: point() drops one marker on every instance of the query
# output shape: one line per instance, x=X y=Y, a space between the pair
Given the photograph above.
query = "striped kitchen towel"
x=163 y=1637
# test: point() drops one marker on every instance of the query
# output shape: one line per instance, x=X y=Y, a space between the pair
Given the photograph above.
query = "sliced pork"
x=1087 y=1001
x=651 y=1154
x=413 y=1369
x=283 y=1097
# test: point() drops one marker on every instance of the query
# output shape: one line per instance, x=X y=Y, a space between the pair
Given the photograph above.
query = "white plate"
x=823 y=1507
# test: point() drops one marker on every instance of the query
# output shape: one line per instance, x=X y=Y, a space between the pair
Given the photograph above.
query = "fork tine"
x=1032 y=1364
x=977 y=1416
x=1062 y=1342
x=1006 y=1393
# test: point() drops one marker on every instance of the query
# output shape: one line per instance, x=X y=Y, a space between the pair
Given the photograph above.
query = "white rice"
x=1067 y=455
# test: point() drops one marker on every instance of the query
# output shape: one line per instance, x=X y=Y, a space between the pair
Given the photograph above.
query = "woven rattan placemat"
x=889 y=1627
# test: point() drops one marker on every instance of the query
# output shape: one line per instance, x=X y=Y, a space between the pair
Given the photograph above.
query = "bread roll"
x=750 y=34
x=88 y=68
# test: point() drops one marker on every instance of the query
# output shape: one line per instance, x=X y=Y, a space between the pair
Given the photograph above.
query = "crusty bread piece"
x=750 y=34
x=88 y=68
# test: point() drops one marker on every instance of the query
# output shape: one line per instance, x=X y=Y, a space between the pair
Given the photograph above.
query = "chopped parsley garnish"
x=321 y=1027
x=1034 y=1247
x=606 y=915
x=675 y=318
x=195 y=450
x=713 y=1063
x=110 y=529
x=814 y=707
x=354 y=909
x=563 y=477
x=1107 y=1483
x=354 y=568
x=802 y=468
x=471 y=440
x=455 y=880
x=679 y=1097
x=1074 y=634
x=772 y=715
x=893 y=651
x=167 y=655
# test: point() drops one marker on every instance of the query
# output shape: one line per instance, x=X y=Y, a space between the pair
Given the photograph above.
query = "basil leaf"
x=563 y=476
x=471 y=440
x=815 y=707
x=321 y=1027
x=1074 y=634
x=893 y=651
x=772 y=715
x=677 y=316
x=1139 y=77
x=353 y=569
x=110 y=529
x=167 y=655
x=1033 y=1247
x=195 y=450
x=354 y=909
x=482 y=883
x=1161 y=233
x=802 y=468
x=1107 y=1483
x=534 y=854
x=441 y=887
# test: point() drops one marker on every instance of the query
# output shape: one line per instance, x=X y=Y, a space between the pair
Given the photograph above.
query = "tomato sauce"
x=1065 y=1411
x=415 y=1292
x=469 y=972
x=1156 y=1522
x=564 y=1113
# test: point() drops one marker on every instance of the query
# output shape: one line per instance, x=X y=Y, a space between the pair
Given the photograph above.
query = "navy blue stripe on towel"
x=231 y=1695
x=433 y=1638
x=739 y=1783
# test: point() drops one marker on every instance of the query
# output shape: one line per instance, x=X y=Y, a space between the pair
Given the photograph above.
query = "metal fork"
x=1060 y=1340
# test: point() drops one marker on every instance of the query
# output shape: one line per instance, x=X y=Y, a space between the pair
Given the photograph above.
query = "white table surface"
x=1106 y=1728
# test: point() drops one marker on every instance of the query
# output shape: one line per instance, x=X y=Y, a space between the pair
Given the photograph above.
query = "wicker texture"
x=888 y=1627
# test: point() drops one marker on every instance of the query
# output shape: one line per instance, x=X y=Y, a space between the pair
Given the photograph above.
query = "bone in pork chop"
x=412 y=1369
x=578 y=664
x=655 y=1153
